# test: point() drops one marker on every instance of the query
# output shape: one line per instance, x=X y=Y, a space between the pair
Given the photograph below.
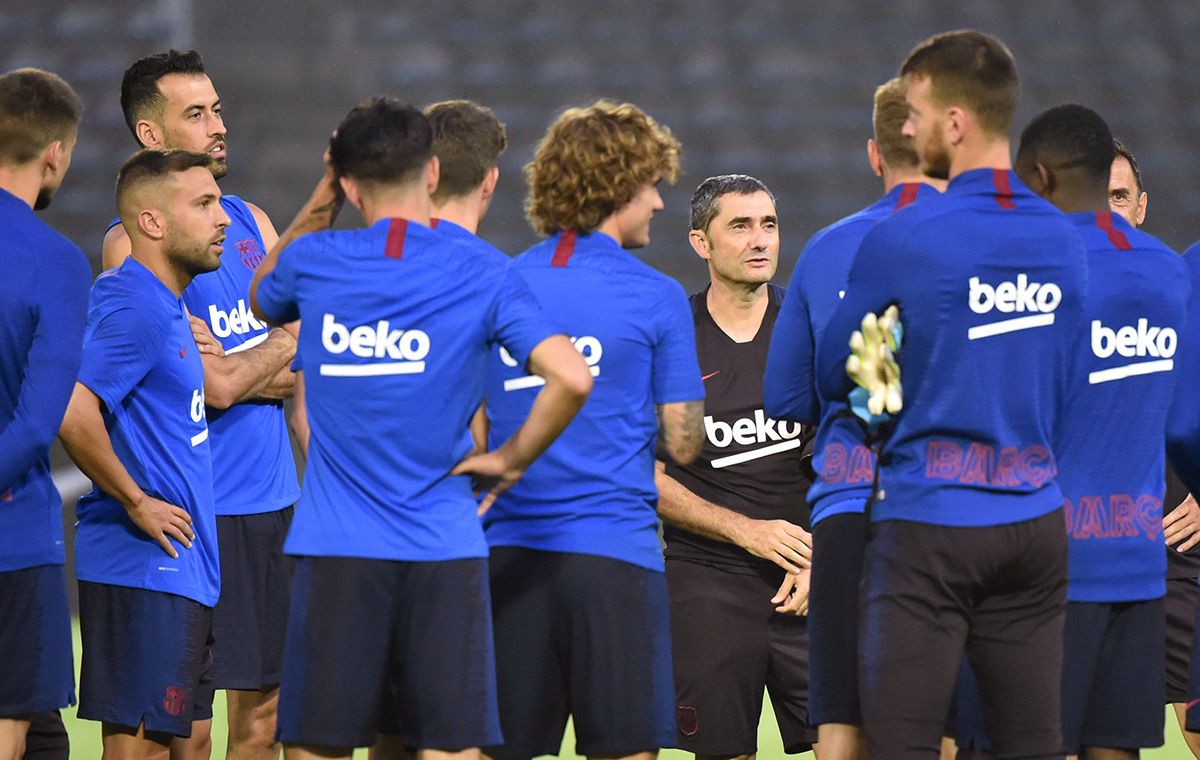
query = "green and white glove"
x=872 y=366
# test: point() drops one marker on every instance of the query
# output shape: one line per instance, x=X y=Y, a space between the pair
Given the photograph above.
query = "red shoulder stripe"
x=1104 y=220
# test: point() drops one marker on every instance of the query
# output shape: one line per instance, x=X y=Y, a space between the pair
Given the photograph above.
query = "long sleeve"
x=789 y=383
x=51 y=366
x=1183 y=421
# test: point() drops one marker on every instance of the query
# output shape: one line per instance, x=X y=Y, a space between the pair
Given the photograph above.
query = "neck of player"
x=24 y=181
x=175 y=278
x=737 y=307
x=980 y=151
x=466 y=211
x=409 y=202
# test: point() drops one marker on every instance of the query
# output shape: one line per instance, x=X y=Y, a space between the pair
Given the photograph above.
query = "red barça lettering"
x=250 y=252
x=979 y=464
x=854 y=466
x=1119 y=515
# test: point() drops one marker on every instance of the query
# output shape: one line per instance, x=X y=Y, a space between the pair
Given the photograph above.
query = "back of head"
x=467 y=139
x=592 y=161
x=382 y=141
x=888 y=117
x=140 y=95
x=706 y=198
x=147 y=174
x=969 y=69
x=36 y=109
x=1069 y=138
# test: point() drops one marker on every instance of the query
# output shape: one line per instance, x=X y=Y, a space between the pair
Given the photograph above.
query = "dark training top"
x=751 y=463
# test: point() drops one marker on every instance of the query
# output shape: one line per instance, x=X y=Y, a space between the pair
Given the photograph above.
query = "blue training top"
x=140 y=359
x=1183 y=421
x=1111 y=454
x=397 y=324
x=990 y=280
x=253 y=466
x=43 y=308
x=592 y=491
x=845 y=467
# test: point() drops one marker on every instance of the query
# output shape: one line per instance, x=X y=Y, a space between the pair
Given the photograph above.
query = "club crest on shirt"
x=250 y=252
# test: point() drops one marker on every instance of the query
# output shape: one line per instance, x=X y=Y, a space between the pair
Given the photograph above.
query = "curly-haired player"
x=576 y=565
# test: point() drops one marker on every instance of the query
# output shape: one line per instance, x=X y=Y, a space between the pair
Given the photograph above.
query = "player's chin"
x=220 y=167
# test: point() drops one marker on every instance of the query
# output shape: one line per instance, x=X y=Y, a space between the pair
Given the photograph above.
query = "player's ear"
x=433 y=171
x=489 y=182
x=351 y=191
x=873 y=157
x=1045 y=178
x=150 y=224
x=699 y=243
x=148 y=134
x=956 y=122
x=52 y=156
x=1143 y=200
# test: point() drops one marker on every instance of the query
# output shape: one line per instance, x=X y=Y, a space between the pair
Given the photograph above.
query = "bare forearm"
x=281 y=386
x=248 y=374
x=86 y=441
x=680 y=507
x=552 y=410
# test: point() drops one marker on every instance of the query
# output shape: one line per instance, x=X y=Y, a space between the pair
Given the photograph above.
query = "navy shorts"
x=1113 y=675
x=833 y=609
x=966 y=723
x=1182 y=604
x=399 y=647
x=729 y=644
x=250 y=620
x=47 y=738
x=934 y=592
x=147 y=658
x=582 y=635
x=38 y=670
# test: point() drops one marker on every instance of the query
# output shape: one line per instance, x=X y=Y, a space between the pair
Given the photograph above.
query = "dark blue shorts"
x=586 y=636
x=729 y=645
x=47 y=738
x=399 y=647
x=1113 y=663
x=839 y=542
x=250 y=620
x=147 y=658
x=1182 y=603
x=37 y=670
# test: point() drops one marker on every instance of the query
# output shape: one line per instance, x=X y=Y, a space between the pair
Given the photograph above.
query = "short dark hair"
x=467 y=139
x=139 y=87
x=1127 y=154
x=971 y=69
x=888 y=117
x=36 y=108
x=381 y=141
x=708 y=194
x=150 y=165
x=1069 y=136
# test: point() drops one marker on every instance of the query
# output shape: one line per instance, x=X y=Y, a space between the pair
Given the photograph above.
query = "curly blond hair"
x=592 y=161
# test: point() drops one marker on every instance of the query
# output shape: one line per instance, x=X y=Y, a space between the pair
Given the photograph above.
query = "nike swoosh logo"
x=710 y=374
x=183 y=352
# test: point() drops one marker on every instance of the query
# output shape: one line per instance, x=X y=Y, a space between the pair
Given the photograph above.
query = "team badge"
x=173 y=700
x=251 y=252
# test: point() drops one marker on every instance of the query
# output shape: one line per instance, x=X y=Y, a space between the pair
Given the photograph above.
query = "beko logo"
x=1037 y=299
x=748 y=431
x=1142 y=341
x=196 y=412
x=237 y=320
x=588 y=346
x=406 y=348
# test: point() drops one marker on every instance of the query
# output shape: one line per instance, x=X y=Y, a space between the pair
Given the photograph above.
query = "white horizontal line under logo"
x=248 y=344
x=1009 y=325
x=1130 y=370
x=747 y=456
x=200 y=437
x=533 y=381
x=372 y=370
